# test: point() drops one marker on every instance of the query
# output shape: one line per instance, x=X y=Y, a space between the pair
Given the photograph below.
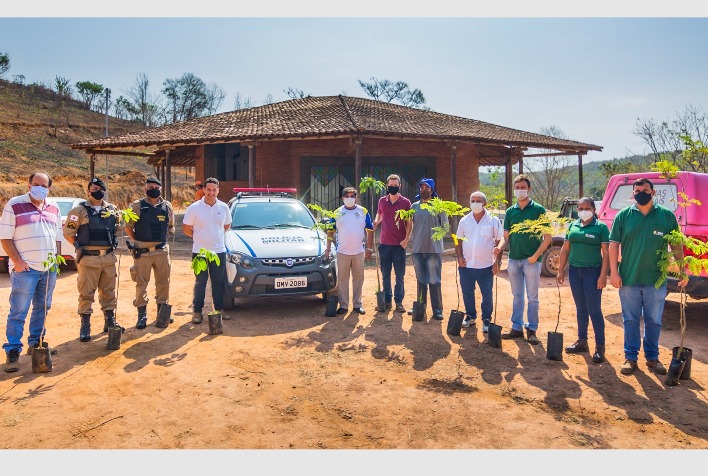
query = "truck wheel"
x=550 y=261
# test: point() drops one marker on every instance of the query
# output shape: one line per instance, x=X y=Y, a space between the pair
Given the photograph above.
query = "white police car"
x=273 y=247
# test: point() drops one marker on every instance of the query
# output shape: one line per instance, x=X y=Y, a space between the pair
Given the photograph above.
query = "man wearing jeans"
x=29 y=229
x=640 y=229
x=478 y=233
x=393 y=240
x=524 y=267
x=206 y=221
x=427 y=252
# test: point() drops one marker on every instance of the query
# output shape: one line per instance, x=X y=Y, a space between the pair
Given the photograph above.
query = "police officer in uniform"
x=91 y=228
x=151 y=250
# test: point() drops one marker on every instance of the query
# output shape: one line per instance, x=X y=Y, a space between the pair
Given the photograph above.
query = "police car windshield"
x=275 y=214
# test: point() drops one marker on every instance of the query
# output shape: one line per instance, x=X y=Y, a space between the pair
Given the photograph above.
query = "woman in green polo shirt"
x=586 y=248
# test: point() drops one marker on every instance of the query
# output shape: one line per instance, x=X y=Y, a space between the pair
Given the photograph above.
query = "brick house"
x=321 y=144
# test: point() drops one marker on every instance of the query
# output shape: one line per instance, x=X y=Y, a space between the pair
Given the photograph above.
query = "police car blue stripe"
x=250 y=250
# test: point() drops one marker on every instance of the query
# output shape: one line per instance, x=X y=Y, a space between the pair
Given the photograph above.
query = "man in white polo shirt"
x=353 y=227
x=475 y=257
x=206 y=221
x=29 y=229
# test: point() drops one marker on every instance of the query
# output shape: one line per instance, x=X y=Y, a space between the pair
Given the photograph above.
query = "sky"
x=591 y=77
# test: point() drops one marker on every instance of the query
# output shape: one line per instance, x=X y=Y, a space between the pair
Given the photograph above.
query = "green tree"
x=666 y=139
x=389 y=91
x=4 y=64
x=89 y=91
x=189 y=97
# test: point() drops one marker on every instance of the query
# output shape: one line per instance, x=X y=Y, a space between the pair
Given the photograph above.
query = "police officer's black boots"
x=436 y=301
x=142 y=318
x=110 y=318
x=85 y=332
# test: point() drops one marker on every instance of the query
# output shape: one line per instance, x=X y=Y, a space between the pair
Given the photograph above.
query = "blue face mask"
x=38 y=192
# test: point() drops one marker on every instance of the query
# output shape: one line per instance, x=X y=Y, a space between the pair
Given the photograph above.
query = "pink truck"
x=692 y=219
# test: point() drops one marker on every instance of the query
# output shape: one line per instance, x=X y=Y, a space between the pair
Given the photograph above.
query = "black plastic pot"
x=454 y=323
x=494 y=335
x=216 y=325
x=114 y=335
x=554 y=351
x=687 y=355
x=674 y=372
x=41 y=360
x=380 y=301
x=332 y=303
x=418 y=311
x=163 y=316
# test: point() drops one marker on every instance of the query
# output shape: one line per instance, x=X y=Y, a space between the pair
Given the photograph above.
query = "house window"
x=226 y=161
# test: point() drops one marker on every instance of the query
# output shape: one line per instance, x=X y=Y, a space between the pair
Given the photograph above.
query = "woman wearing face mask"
x=586 y=248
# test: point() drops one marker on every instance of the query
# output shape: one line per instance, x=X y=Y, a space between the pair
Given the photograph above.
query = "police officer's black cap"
x=97 y=181
x=153 y=180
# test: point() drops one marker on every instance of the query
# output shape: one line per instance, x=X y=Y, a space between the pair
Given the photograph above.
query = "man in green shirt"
x=524 y=267
x=640 y=230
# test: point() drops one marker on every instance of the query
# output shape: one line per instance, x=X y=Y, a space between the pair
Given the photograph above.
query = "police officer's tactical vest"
x=153 y=222
x=99 y=231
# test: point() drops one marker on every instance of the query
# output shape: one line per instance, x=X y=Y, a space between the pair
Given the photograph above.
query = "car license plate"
x=287 y=283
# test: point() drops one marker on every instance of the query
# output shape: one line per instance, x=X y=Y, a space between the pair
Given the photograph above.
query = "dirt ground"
x=284 y=376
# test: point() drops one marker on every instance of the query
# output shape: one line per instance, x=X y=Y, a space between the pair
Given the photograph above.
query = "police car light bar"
x=265 y=191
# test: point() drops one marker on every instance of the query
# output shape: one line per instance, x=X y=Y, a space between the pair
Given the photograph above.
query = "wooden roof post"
x=92 y=166
x=521 y=165
x=251 y=165
x=167 y=184
x=508 y=180
x=357 y=162
x=580 y=175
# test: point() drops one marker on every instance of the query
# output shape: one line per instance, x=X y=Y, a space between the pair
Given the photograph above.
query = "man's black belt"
x=152 y=248
x=97 y=252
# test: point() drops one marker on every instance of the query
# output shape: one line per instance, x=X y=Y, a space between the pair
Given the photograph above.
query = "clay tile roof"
x=331 y=116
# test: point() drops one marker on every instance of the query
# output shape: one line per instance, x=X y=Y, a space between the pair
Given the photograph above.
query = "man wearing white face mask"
x=29 y=229
x=353 y=227
x=524 y=266
x=478 y=233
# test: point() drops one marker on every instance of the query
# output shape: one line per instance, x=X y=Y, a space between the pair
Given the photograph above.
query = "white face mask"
x=585 y=215
x=521 y=194
x=349 y=202
x=476 y=207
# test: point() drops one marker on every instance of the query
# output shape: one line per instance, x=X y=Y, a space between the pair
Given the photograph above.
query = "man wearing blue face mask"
x=30 y=227
x=91 y=228
x=151 y=250
x=640 y=229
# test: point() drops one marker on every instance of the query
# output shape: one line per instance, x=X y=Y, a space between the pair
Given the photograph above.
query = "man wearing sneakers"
x=354 y=232
x=206 y=221
x=394 y=238
x=640 y=230
x=524 y=267
x=478 y=233
x=30 y=227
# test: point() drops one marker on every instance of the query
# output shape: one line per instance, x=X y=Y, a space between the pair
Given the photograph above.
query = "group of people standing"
x=31 y=229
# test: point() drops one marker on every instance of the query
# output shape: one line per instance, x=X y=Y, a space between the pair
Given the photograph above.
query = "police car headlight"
x=243 y=260
x=326 y=259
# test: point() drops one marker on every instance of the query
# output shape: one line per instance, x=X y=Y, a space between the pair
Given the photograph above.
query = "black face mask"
x=393 y=190
x=153 y=192
x=98 y=194
x=642 y=198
